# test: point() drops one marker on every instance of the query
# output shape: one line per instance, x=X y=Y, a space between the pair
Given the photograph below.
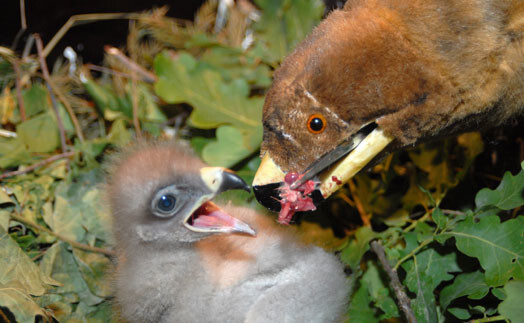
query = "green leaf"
x=74 y=215
x=215 y=104
x=360 y=309
x=5 y=198
x=424 y=305
x=229 y=147
x=18 y=271
x=432 y=264
x=103 y=97
x=353 y=252
x=36 y=100
x=119 y=135
x=379 y=291
x=39 y=134
x=147 y=107
x=13 y=152
x=94 y=268
x=5 y=217
x=512 y=307
x=69 y=128
x=234 y=63
x=460 y=313
x=284 y=24
x=469 y=284
x=499 y=293
x=20 y=304
x=60 y=264
x=497 y=246
x=508 y=195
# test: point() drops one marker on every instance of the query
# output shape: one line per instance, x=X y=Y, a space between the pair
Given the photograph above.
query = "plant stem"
x=138 y=70
x=452 y=212
x=415 y=222
x=69 y=109
x=490 y=319
x=413 y=252
x=47 y=78
x=73 y=243
x=21 y=105
x=36 y=165
x=360 y=207
x=402 y=298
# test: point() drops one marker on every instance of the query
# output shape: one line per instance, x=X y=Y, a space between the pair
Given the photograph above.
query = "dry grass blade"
x=47 y=78
x=86 y=18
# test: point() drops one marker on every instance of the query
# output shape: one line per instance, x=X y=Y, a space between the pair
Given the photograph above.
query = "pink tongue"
x=214 y=219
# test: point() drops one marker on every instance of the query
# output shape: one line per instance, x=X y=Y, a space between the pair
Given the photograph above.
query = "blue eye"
x=166 y=203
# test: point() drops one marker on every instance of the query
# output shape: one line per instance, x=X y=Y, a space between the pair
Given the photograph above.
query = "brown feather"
x=421 y=69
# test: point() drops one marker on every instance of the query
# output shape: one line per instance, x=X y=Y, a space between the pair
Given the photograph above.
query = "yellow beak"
x=269 y=176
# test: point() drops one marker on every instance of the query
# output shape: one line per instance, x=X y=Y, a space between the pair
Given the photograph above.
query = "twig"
x=413 y=252
x=107 y=70
x=69 y=109
x=452 y=212
x=73 y=243
x=21 y=105
x=22 y=14
x=23 y=25
x=402 y=298
x=346 y=199
x=415 y=222
x=146 y=76
x=47 y=78
x=490 y=319
x=28 y=46
x=86 y=18
x=36 y=165
x=358 y=203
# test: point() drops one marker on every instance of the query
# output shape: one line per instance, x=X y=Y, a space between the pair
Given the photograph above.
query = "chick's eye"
x=166 y=203
x=316 y=123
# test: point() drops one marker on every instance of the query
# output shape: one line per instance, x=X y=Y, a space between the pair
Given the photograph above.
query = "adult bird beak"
x=330 y=171
x=206 y=216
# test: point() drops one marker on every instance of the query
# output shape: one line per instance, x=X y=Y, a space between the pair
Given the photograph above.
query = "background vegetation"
x=459 y=253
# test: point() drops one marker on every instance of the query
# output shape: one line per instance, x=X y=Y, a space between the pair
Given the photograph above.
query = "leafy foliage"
x=216 y=104
x=437 y=252
x=55 y=232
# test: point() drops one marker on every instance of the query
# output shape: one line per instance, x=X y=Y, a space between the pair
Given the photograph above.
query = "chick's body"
x=166 y=274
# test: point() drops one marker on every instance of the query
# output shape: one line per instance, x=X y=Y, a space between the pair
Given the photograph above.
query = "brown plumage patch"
x=420 y=69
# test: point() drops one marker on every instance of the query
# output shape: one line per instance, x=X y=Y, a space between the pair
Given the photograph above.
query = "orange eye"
x=316 y=123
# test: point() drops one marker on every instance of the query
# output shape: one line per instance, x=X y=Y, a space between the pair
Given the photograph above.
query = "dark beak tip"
x=232 y=181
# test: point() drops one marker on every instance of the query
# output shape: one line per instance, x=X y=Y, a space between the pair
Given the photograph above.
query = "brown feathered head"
x=384 y=74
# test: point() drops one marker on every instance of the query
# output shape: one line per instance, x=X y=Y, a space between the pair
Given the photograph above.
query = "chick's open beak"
x=331 y=171
x=207 y=216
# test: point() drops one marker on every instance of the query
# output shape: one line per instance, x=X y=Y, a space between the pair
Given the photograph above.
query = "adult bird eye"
x=166 y=203
x=316 y=123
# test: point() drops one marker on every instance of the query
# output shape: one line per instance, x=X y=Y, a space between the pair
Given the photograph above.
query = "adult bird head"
x=380 y=75
x=163 y=195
